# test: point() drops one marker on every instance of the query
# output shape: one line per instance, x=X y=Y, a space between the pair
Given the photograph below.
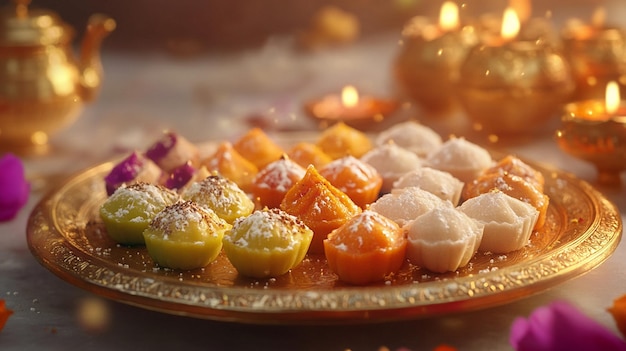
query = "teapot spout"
x=98 y=27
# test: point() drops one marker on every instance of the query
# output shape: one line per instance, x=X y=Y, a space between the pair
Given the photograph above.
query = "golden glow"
x=39 y=138
x=449 y=16
x=598 y=18
x=523 y=8
x=612 y=98
x=510 y=24
x=349 y=96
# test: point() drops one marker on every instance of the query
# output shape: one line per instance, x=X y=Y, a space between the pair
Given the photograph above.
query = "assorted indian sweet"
x=340 y=140
x=440 y=183
x=412 y=136
x=513 y=165
x=305 y=154
x=229 y=163
x=512 y=185
x=443 y=239
x=184 y=175
x=185 y=235
x=321 y=206
x=461 y=158
x=272 y=182
x=130 y=209
x=357 y=179
x=366 y=249
x=392 y=162
x=508 y=222
x=367 y=207
x=404 y=205
x=222 y=196
x=258 y=148
x=172 y=151
x=267 y=243
x=132 y=169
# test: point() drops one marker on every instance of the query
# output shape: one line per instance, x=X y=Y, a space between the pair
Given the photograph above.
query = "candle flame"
x=510 y=24
x=349 y=96
x=612 y=98
x=449 y=16
x=598 y=18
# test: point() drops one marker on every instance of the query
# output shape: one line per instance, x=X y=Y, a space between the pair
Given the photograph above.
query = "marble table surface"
x=213 y=96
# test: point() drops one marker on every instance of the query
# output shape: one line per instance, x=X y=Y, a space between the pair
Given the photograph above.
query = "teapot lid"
x=21 y=26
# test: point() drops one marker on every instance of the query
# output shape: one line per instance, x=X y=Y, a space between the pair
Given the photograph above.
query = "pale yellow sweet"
x=222 y=196
x=130 y=209
x=267 y=243
x=185 y=236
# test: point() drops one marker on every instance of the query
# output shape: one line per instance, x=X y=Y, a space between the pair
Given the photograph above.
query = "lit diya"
x=511 y=86
x=432 y=52
x=595 y=131
x=357 y=111
x=596 y=52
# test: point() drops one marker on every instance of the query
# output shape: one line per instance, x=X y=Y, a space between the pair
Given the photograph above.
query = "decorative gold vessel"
x=42 y=86
x=515 y=88
x=600 y=141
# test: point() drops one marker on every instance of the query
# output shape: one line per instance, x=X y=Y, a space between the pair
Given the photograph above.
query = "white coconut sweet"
x=443 y=239
x=461 y=158
x=392 y=162
x=442 y=184
x=508 y=221
x=412 y=136
x=404 y=205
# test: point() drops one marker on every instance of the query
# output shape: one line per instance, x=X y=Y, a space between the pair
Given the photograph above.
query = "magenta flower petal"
x=560 y=326
x=14 y=189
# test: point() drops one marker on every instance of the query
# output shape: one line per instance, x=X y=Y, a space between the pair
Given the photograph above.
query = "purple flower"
x=14 y=189
x=560 y=326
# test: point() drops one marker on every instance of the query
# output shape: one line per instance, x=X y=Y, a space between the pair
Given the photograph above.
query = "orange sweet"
x=513 y=165
x=366 y=249
x=360 y=181
x=341 y=140
x=230 y=164
x=305 y=154
x=257 y=147
x=512 y=185
x=320 y=205
x=272 y=182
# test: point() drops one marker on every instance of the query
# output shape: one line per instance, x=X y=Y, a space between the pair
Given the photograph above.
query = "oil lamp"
x=594 y=130
x=510 y=86
x=427 y=65
x=596 y=52
x=358 y=111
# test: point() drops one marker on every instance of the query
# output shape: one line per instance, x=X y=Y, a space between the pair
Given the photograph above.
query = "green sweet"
x=185 y=236
x=129 y=210
x=222 y=196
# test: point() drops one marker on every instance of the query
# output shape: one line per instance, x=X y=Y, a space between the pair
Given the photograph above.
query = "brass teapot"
x=42 y=86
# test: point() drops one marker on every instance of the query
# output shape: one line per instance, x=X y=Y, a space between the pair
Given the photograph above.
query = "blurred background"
x=230 y=25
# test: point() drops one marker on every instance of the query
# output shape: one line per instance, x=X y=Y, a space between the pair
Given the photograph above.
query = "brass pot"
x=42 y=85
x=514 y=88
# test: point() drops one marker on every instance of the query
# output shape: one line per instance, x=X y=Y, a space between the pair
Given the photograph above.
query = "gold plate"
x=66 y=235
